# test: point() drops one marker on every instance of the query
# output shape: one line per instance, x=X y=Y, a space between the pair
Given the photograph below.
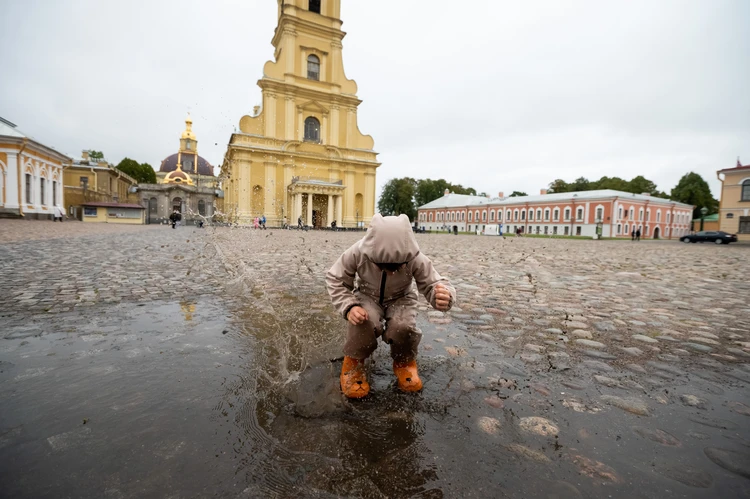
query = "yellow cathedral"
x=301 y=155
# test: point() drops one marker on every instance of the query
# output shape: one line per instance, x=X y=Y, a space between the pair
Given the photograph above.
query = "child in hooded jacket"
x=372 y=286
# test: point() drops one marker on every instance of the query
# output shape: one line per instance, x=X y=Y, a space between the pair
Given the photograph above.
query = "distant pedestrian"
x=263 y=221
x=256 y=222
x=174 y=218
x=299 y=222
x=632 y=235
x=285 y=223
x=59 y=213
x=638 y=235
x=333 y=225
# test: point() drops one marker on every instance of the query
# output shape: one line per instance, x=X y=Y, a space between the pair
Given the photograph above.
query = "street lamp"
x=704 y=210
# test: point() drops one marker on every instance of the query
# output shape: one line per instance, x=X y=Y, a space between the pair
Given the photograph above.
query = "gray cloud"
x=495 y=95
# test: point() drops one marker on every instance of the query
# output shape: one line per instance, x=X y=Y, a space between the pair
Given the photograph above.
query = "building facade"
x=185 y=183
x=302 y=155
x=710 y=223
x=192 y=202
x=89 y=180
x=31 y=175
x=198 y=170
x=113 y=213
x=734 y=207
x=612 y=213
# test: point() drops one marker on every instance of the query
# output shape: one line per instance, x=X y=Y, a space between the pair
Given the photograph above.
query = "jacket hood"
x=389 y=240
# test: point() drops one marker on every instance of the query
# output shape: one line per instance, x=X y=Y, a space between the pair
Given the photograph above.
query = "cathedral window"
x=313 y=67
x=312 y=130
x=315 y=6
x=29 y=197
x=202 y=208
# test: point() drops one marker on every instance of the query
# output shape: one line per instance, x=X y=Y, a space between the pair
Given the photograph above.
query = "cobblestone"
x=656 y=329
x=49 y=267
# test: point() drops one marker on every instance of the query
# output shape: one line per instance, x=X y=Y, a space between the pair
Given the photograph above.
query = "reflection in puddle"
x=188 y=309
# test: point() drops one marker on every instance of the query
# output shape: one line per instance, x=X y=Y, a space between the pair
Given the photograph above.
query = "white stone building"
x=31 y=175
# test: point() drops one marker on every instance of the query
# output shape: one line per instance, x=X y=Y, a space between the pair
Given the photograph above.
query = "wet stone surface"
x=150 y=362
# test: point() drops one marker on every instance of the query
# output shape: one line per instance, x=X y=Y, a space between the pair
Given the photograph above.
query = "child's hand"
x=442 y=298
x=357 y=315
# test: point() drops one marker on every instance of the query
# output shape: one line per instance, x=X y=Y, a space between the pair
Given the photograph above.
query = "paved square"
x=150 y=361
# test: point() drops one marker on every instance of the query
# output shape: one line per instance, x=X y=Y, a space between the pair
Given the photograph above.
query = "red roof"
x=736 y=168
x=116 y=205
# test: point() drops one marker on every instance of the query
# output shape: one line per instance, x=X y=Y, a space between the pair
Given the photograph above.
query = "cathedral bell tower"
x=302 y=156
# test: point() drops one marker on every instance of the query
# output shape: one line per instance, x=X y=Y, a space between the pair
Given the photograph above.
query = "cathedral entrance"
x=153 y=210
x=316 y=221
x=177 y=205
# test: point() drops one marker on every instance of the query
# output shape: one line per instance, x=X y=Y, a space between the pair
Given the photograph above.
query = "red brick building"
x=617 y=213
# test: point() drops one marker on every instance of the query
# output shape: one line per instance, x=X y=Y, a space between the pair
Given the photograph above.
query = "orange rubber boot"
x=408 y=377
x=353 y=379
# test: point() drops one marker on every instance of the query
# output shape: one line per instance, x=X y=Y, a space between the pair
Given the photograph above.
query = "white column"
x=330 y=211
x=309 y=208
x=337 y=201
x=297 y=207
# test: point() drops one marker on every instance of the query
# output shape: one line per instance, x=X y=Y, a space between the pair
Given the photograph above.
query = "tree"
x=143 y=173
x=95 y=154
x=517 y=194
x=398 y=198
x=559 y=185
x=692 y=189
x=429 y=190
x=581 y=184
x=614 y=183
x=639 y=185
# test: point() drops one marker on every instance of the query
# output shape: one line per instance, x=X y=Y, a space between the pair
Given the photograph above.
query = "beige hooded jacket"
x=388 y=240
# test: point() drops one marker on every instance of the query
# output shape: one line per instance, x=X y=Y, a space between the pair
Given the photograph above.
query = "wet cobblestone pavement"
x=145 y=361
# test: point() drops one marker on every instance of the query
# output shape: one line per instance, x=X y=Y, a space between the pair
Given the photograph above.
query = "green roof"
x=708 y=218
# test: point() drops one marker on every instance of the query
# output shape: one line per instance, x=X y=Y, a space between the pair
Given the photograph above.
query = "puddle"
x=216 y=398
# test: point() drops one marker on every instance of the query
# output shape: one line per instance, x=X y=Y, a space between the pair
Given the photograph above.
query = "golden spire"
x=188 y=133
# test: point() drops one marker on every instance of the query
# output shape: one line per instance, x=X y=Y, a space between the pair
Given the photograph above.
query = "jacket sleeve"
x=340 y=281
x=427 y=278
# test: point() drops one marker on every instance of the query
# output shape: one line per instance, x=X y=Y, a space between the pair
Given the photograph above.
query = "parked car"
x=718 y=237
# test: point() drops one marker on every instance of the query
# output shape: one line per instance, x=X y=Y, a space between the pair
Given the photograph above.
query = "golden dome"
x=178 y=177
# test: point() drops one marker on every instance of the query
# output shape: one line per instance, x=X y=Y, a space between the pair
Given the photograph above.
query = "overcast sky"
x=495 y=95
